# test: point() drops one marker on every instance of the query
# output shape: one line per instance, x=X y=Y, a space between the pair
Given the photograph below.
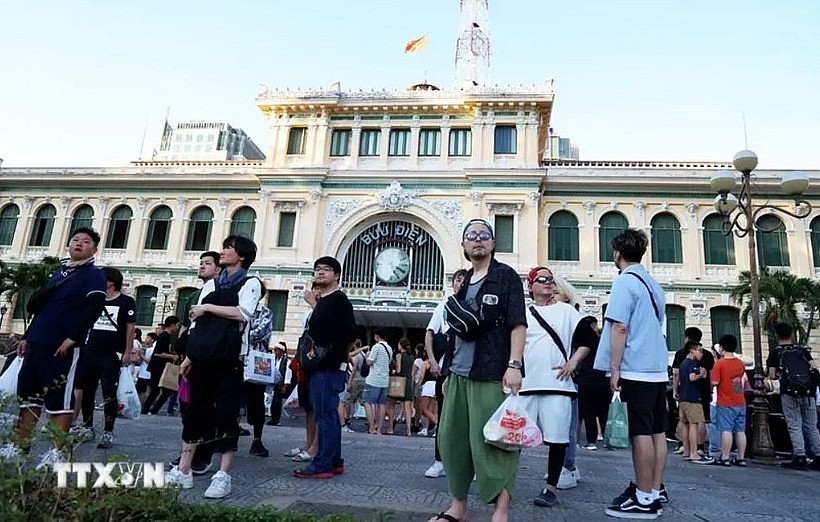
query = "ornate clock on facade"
x=392 y=265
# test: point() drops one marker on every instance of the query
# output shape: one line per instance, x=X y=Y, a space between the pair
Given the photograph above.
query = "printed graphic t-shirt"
x=729 y=375
x=108 y=333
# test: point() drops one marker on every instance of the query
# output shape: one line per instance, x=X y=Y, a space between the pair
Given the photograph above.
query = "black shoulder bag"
x=555 y=338
x=651 y=295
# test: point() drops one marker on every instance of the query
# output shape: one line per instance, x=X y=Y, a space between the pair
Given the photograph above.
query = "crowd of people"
x=483 y=343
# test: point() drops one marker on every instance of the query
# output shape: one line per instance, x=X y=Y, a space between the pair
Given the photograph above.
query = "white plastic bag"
x=260 y=368
x=8 y=381
x=510 y=427
x=127 y=398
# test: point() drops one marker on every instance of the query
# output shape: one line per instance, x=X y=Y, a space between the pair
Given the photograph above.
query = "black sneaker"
x=243 y=432
x=634 y=510
x=174 y=463
x=628 y=493
x=663 y=495
x=258 y=450
x=796 y=463
x=200 y=468
x=658 y=505
x=815 y=464
x=545 y=499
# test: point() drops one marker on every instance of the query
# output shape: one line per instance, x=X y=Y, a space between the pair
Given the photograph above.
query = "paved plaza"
x=384 y=480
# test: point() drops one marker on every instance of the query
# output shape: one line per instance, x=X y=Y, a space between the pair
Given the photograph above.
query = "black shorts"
x=303 y=394
x=41 y=370
x=646 y=406
x=213 y=412
x=142 y=385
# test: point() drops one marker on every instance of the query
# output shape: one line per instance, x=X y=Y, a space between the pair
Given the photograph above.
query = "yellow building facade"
x=384 y=181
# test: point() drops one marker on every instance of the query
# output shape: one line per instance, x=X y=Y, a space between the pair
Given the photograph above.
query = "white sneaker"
x=220 y=485
x=347 y=429
x=422 y=432
x=9 y=451
x=576 y=474
x=568 y=479
x=177 y=478
x=84 y=434
x=293 y=452
x=50 y=458
x=436 y=470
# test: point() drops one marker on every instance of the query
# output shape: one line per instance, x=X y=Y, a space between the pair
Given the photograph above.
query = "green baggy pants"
x=468 y=405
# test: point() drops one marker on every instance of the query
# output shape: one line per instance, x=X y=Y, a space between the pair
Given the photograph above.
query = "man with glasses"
x=487 y=331
x=632 y=350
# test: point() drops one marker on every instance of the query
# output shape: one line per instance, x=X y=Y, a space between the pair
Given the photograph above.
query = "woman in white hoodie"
x=556 y=341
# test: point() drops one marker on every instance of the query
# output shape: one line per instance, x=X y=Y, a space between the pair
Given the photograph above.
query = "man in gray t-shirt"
x=465 y=350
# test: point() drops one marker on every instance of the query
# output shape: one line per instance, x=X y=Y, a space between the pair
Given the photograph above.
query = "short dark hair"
x=693 y=333
x=783 y=330
x=211 y=254
x=591 y=319
x=692 y=345
x=171 y=320
x=330 y=261
x=90 y=232
x=152 y=335
x=631 y=244
x=728 y=342
x=112 y=275
x=245 y=247
x=381 y=332
x=460 y=272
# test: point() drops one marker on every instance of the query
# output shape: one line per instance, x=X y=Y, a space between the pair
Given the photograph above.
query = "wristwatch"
x=514 y=364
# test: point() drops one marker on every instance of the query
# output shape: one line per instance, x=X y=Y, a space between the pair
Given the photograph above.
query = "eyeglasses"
x=544 y=280
x=474 y=236
x=322 y=268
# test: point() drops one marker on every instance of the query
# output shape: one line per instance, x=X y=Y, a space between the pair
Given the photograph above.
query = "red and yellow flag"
x=416 y=44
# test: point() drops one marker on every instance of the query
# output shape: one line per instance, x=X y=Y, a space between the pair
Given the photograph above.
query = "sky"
x=81 y=81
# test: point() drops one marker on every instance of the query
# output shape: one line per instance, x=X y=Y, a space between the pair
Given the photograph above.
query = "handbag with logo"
x=260 y=368
x=170 y=377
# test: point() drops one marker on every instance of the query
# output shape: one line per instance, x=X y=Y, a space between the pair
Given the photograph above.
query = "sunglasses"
x=544 y=280
x=473 y=236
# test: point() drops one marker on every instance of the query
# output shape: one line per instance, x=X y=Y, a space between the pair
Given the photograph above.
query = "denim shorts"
x=375 y=395
x=731 y=419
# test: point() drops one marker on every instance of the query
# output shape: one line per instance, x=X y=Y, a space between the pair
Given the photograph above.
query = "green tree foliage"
x=23 y=279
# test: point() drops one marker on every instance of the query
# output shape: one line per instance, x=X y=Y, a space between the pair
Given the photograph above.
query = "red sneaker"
x=309 y=473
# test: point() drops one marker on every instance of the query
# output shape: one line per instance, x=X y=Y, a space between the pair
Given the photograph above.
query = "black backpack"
x=796 y=377
x=364 y=369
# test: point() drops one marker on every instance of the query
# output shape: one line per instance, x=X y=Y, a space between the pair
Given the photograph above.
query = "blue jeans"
x=713 y=432
x=569 y=458
x=325 y=387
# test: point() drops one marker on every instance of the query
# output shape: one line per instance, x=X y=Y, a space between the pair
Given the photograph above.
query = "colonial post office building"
x=385 y=180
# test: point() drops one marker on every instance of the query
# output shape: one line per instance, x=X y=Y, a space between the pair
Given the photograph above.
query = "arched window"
x=199 y=229
x=666 y=243
x=118 y=227
x=718 y=249
x=563 y=237
x=83 y=217
x=675 y=325
x=725 y=320
x=243 y=222
x=772 y=247
x=159 y=226
x=8 y=223
x=815 y=240
x=611 y=224
x=186 y=298
x=145 y=307
x=43 y=226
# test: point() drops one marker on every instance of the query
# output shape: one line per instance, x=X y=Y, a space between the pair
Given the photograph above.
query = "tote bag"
x=616 y=434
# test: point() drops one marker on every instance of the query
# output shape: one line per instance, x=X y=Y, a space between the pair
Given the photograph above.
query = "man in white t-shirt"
x=435 y=344
x=377 y=381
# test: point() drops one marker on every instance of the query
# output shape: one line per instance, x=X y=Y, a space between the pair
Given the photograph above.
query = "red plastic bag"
x=510 y=427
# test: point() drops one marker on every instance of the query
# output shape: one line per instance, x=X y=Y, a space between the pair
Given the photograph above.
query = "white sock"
x=656 y=494
x=644 y=498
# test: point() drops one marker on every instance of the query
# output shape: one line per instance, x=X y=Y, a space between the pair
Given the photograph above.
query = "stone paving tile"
x=384 y=478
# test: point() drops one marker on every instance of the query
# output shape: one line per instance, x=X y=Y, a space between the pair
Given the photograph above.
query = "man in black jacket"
x=332 y=327
x=484 y=362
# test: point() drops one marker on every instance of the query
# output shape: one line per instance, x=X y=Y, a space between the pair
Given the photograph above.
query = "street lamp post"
x=741 y=219
x=165 y=308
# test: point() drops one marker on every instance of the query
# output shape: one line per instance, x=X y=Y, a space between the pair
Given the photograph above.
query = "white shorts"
x=428 y=389
x=552 y=415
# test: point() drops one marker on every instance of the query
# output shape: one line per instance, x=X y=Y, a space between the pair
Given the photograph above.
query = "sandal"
x=446 y=516
x=721 y=462
x=739 y=462
x=302 y=456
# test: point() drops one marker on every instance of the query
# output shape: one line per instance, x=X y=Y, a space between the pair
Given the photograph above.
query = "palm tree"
x=21 y=281
x=780 y=294
x=813 y=304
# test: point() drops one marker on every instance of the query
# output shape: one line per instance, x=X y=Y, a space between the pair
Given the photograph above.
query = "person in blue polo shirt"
x=632 y=351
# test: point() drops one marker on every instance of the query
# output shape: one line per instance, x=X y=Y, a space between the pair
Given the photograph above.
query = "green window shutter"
x=675 y=325
x=145 y=308
x=461 y=142
x=159 y=226
x=340 y=142
x=815 y=241
x=610 y=225
x=369 y=142
x=118 y=227
x=83 y=217
x=506 y=138
x=504 y=233
x=666 y=240
x=563 y=237
x=296 y=140
x=725 y=320
x=186 y=298
x=430 y=142
x=8 y=223
x=399 y=142
x=199 y=229
x=772 y=247
x=287 y=224
x=243 y=222
x=718 y=249
x=43 y=226
x=278 y=304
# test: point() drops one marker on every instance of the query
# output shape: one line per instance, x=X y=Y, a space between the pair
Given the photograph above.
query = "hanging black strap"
x=555 y=338
x=651 y=295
